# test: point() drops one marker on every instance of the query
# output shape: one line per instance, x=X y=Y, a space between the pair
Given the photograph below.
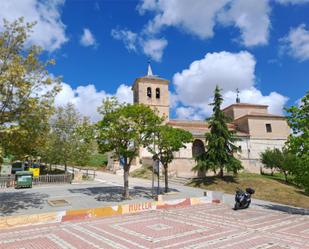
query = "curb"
x=106 y=211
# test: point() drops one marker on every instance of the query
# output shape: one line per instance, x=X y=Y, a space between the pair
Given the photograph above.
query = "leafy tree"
x=289 y=161
x=220 y=140
x=298 y=142
x=300 y=172
x=284 y=161
x=86 y=143
x=30 y=135
x=168 y=140
x=71 y=139
x=123 y=130
x=26 y=90
x=271 y=159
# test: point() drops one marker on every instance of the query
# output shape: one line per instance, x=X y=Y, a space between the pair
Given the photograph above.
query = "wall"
x=241 y=111
x=235 y=111
x=257 y=129
x=140 y=94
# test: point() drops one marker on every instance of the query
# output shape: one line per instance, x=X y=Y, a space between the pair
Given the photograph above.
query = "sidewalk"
x=101 y=198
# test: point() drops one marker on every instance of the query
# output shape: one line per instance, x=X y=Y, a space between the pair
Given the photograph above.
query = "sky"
x=260 y=47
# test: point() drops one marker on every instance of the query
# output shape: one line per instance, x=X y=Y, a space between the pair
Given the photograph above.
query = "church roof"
x=260 y=115
x=245 y=105
x=150 y=76
x=198 y=127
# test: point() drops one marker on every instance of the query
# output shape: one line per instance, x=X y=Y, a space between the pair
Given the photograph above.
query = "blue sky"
x=258 y=46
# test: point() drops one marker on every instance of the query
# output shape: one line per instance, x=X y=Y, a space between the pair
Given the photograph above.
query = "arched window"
x=149 y=92
x=198 y=148
x=157 y=93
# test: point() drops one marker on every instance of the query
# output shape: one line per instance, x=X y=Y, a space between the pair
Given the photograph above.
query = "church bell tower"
x=153 y=91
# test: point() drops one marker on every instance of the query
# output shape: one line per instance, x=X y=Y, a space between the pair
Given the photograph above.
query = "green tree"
x=271 y=158
x=71 y=140
x=86 y=143
x=289 y=161
x=283 y=161
x=26 y=90
x=220 y=141
x=29 y=136
x=168 y=140
x=298 y=141
x=123 y=130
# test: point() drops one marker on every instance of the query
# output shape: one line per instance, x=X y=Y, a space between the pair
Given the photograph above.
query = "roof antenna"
x=237 y=98
x=149 y=71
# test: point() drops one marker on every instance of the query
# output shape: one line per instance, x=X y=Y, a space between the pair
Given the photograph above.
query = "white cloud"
x=87 y=98
x=252 y=19
x=87 y=39
x=128 y=37
x=228 y=70
x=195 y=17
x=49 y=32
x=194 y=86
x=296 y=43
x=152 y=47
x=292 y=1
x=200 y=17
x=124 y=94
x=188 y=113
x=274 y=100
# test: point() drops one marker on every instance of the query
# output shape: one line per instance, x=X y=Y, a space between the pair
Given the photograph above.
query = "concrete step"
x=179 y=180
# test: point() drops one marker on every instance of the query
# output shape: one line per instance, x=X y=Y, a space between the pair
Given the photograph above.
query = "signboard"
x=156 y=166
x=35 y=171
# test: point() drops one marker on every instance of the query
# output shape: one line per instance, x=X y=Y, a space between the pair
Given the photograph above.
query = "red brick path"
x=201 y=226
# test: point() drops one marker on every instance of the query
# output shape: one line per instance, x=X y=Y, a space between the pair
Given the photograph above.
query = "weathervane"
x=237 y=98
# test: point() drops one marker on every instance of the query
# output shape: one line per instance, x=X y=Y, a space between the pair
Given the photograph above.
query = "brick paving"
x=201 y=226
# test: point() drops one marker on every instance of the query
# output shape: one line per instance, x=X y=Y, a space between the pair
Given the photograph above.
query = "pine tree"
x=220 y=141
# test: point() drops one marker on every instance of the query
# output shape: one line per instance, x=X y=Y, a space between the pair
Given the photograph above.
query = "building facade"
x=256 y=129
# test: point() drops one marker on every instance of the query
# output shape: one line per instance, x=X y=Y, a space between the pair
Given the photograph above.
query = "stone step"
x=179 y=180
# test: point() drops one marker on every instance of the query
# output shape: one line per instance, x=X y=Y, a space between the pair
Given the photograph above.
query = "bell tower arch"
x=153 y=91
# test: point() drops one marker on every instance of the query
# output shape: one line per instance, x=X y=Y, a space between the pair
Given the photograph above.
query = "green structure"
x=23 y=179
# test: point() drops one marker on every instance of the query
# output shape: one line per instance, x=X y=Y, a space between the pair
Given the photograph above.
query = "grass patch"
x=267 y=187
x=97 y=161
x=144 y=172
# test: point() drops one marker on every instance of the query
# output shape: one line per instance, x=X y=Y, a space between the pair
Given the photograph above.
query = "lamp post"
x=155 y=169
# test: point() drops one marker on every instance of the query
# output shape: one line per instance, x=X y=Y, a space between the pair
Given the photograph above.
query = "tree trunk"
x=285 y=176
x=65 y=167
x=126 y=170
x=221 y=172
x=166 y=177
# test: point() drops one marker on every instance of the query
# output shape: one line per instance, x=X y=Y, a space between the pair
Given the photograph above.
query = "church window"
x=149 y=92
x=268 y=128
x=157 y=93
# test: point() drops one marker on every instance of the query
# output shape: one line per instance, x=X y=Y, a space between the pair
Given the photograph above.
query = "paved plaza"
x=201 y=226
x=106 y=190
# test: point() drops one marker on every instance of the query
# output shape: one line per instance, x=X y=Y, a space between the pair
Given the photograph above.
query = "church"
x=256 y=129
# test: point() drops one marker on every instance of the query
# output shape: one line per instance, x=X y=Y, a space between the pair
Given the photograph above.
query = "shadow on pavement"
x=114 y=193
x=285 y=209
x=13 y=201
x=208 y=180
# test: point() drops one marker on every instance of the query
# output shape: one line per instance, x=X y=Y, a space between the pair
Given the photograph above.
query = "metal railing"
x=52 y=179
x=9 y=181
x=88 y=173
